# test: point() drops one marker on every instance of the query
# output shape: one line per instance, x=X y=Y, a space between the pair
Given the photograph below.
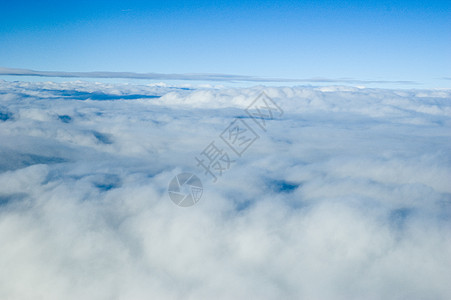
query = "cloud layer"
x=197 y=77
x=345 y=196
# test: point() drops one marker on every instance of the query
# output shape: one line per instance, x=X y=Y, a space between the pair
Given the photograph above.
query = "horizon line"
x=187 y=76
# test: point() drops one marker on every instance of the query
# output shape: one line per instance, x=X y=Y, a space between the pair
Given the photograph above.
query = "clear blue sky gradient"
x=367 y=40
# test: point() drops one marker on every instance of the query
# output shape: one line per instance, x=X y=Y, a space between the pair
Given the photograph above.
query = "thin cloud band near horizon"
x=188 y=76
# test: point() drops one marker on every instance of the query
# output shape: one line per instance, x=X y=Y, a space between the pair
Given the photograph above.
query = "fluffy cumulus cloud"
x=346 y=195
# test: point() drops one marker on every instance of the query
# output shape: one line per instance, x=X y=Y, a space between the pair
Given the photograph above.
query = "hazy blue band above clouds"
x=189 y=76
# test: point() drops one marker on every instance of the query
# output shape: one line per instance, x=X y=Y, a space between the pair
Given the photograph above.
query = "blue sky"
x=371 y=40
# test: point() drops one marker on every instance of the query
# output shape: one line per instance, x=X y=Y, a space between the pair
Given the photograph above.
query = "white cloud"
x=346 y=196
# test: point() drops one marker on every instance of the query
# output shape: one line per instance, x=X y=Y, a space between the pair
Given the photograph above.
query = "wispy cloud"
x=199 y=77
